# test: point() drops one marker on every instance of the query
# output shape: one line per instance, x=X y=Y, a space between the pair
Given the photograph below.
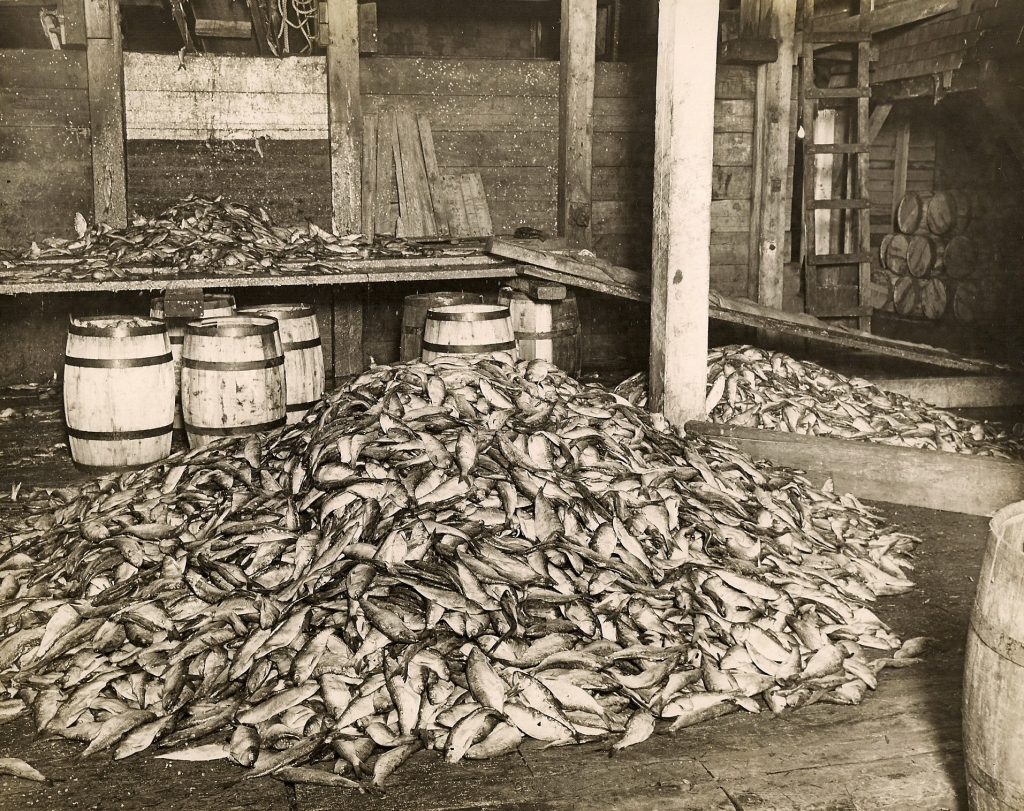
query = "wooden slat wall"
x=45 y=153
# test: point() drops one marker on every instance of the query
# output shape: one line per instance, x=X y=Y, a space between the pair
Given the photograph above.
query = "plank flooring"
x=901 y=749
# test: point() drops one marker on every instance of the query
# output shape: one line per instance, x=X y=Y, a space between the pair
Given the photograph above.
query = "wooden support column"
x=344 y=116
x=106 y=110
x=681 y=256
x=576 y=120
x=773 y=157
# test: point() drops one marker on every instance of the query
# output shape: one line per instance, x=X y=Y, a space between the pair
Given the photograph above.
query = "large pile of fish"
x=452 y=556
x=211 y=236
x=758 y=388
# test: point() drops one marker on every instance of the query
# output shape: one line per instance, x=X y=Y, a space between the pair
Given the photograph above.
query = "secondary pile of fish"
x=212 y=236
x=452 y=556
x=758 y=388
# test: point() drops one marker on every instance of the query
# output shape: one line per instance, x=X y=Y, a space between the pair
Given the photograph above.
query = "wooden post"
x=899 y=165
x=106 y=111
x=576 y=120
x=344 y=116
x=681 y=257
x=774 y=157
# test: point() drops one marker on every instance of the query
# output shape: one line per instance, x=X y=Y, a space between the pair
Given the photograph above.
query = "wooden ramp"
x=583 y=269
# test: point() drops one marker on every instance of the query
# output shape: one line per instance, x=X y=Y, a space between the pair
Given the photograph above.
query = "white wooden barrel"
x=414 y=314
x=468 y=329
x=993 y=707
x=232 y=377
x=549 y=330
x=214 y=304
x=304 y=378
x=118 y=392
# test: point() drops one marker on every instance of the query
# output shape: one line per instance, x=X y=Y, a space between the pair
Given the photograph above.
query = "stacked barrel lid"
x=930 y=263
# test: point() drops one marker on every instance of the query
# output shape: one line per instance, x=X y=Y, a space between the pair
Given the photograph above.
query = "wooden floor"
x=900 y=749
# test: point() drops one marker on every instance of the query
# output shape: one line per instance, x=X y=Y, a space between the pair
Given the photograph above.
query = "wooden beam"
x=106 y=111
x=347 y=336
x=225 y=29
x=899 y=168
x=72 y=13
x=892 y=16
x=878 y=118
x=681 y=254
x=937 y=480
x=576 y=120
x=757 y=172
x=344 y=115
x=980 y=391
x=774 y=155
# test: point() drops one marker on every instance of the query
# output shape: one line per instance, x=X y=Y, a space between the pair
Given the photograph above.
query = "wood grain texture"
x=344 y=114
x=576 y=120
x=681 y=253
x=106 y=112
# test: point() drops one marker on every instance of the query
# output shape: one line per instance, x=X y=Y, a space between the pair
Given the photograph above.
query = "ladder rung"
x=838 y=258
x=837 y=36
x=836 y=149
x=841 y=203
x=837 y=92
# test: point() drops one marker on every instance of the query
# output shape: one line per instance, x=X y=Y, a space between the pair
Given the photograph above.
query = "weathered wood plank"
x=934 y=479
x=106 y=108
x=576 y=120
x=36 y=68
x=38 y=107
x=681 y=254
x=347 y=335
x=957 y=392
x=344 y=117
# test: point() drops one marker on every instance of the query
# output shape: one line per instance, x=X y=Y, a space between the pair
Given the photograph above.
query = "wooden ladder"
x=831 y=291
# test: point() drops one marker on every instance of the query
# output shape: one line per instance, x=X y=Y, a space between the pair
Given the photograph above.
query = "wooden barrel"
x=934 y=298
x=467 y=329
x=303 y=354
x=214 y=305
x=883 y=251
x=920 y=298
x=118 y=392
x=896 y=254
x=910 y=213
x=232 y=377
x=549 y=330
x=906 y=296
x=940 y=213
x=966 y=308
x=993 y=707
x=880 y=289
x=960 y=258
x=964 y=210
x=414 y=314
x=920 y=255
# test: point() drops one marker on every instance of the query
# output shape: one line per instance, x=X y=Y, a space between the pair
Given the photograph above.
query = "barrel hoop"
x=109 y=468
x=115 y=436
x=497 y=315
x=233 y=430
x=232 y=365
x=467 y=349
x=1001 y=644
x=117 y=363
x=301 y=406
x=87 y=331
x=998 y=789
x=295 y=346
x=545 y=336
x=230 y=330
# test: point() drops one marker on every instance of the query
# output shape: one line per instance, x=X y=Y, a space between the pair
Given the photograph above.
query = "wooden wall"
x=45 y=153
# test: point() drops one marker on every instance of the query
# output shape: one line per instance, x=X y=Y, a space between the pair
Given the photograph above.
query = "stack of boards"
x=929 y=262
x=403 y=190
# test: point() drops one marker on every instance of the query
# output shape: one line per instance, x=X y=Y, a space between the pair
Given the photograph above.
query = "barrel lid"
x=115 y=326
x=232 y=326
x=468 y=312
x=281 y=312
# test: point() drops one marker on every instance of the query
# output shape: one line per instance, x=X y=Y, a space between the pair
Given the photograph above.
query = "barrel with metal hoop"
x=232 y=377
x=303 y=354
x=468 y=329
x=118 y=392
x=214 y=305
x=414 y=314
x=548 y=330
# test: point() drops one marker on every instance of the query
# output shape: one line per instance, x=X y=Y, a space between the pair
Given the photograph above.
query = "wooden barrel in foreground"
x=993 y=706
x=549 y=330
x=468 y=329
x=118 y=392
x=303 y=354
x=232 y=377
x=414 y=314
x=214 y=305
